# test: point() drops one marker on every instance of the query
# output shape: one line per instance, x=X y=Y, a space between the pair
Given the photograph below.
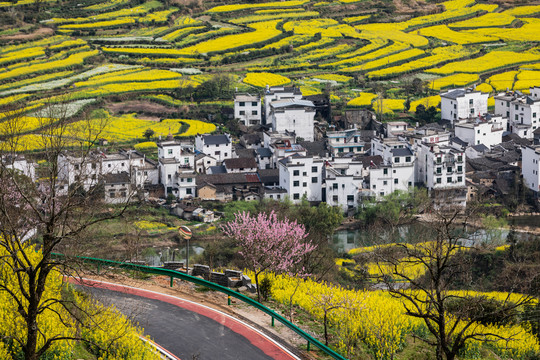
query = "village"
x=471 y=153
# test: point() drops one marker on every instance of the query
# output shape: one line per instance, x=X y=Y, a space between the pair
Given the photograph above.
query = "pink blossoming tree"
x=269 y=244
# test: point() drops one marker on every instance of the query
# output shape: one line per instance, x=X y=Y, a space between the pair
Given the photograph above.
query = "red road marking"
x=257 y=339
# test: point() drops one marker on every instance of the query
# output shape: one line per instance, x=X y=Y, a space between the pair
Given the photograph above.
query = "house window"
x=242 y=103
x=335 y=198
x=374 y=186
x=478 y=131
x=350 y=197
x=296 y=196
x=516 y=107
x=146 y=173
x=408 y=159
x=93 y=166
x=188 y=191
x=304 y=173
x=471 y=101
x=304 y=184
x=334 y=186
x=254 y=112
x=242 y=112
x=534 y=115
x=460 y=158
x=169 y=176
x=439 y=170
x=296 y=183
x=109 y=166
x=472 y=111
x=396 y=159
x=217 y=153
x=449 y=169
x=439 y=180
x=460 y=168
x=278 y=196
x=122 y=164
x=253 y=103
x=439 y=160
x=459 y=179
x=448 y=179
x=111 y=194
x=296 y=173
x=314 y=180
x=313 y=169
x=189 y=179
x=395 y=181
x=169 y=151
x=385 y=171
x=385 y=182
x=76 y=166
x=123 y=194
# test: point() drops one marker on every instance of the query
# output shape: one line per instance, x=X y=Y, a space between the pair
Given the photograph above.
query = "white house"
x=484 y=130
x=530 y=167
x=345 y=141
x=279 y=93
x=20 y=164
x=460 y=104
x=395 y=128
x=301 y=176
x=293 y=115
x=217 y=146
x=343 y=183
x=240 y=165
x=248 y=109
x=203 y=162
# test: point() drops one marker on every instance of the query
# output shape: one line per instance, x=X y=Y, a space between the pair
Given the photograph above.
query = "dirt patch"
x=39 y=33
x=150 y=110
x=215 y=300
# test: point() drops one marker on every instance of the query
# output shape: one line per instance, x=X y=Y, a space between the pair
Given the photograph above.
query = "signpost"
x=186 y=234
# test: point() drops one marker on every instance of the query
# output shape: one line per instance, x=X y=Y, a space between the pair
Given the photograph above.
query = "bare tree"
x=37 y=207
x=452 y=318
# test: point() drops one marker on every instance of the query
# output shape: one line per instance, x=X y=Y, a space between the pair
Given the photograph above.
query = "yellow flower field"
x=99 y=24
x=280 y=15
x=523 y=10
x=527 y=79
x=443 y=32
x=389 y=105
x=503 y=81
x=364 y=99
x=488 y=62
x=130 y=75
x=484 y=87
x=455 y=80
x=438 y=55
x=487 y=20
x=263 y=78
x=277 y=4
x=427 y=102
x=181 y=32
x=385 y=51
x=404 y=55
x=334 y=77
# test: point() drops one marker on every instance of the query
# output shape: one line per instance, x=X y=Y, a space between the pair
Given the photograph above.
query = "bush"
x=265 y=288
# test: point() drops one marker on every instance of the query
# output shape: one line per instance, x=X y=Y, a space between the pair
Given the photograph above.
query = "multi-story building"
x=460 y=104
x=522 y=111
x=217 y=146
x=345 y=141
x=485 y=130
x=301 y=176
x=293 y=115
x=442 y=171
x=276 y=93
x=530 y=167
x=248 y=109
x=176 y=168
x=343 y=183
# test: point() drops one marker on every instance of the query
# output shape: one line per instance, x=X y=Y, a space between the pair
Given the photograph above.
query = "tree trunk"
x=257 y=285
x=32 y=331
x=325 y=323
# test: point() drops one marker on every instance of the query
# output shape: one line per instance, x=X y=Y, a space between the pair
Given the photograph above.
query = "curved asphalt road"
x=186 y=329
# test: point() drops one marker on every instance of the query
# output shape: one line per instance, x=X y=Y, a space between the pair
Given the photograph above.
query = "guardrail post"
x=272 y=321
x=229 y=300
x=172 y=281
x=308 y=344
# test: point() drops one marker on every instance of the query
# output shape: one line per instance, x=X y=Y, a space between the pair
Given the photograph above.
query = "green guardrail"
x=173 y=274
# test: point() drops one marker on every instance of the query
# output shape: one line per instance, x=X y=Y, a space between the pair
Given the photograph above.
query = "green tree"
x=148 y=133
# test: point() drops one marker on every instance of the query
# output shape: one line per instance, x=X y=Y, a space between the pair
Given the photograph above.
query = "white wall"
x=294 y=119
x=531 y=167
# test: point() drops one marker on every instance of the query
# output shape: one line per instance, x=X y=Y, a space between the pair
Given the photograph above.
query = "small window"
x=111 y=194
x=407 y=159
x=350 y=197
x=314 y=180
x=94 y=165
x=109 y=166
x=459 y=179
x=334 y=186
x=304 y=173
x=242 y=103
x=448 y=179
x=169 y=152
x=253 y=103
x=439 y=180
x=296 y=183
x=395 y=181
x=471 y=101
x=335 y=198
x=123 y=194
x=460 y=158
x=449 y=169
x=296 y=173
x=189 y=179
x=313 y=169
x=188 y=191
x=396 y=159
x=304 y=184
x=385 y=171
x=254 y=112
x=296 y=196
x=385 y=182
x=439 y=170
x=169 y=176
x=242 y=112
x=460 y=168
